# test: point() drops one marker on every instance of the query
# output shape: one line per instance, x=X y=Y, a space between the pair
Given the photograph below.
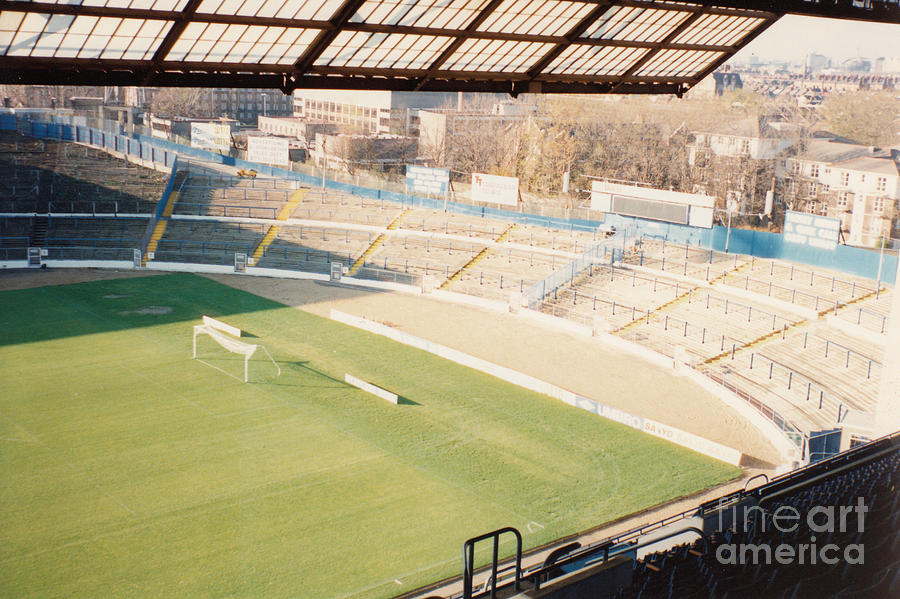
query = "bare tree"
x=472 y=140
x=357 y=153
x=189 y=102
x=867 y=117
x=483 y=145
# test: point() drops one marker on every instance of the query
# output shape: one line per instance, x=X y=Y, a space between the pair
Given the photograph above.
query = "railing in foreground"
x=627 y=543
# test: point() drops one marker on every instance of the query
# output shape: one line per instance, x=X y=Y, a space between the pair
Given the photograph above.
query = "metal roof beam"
x=574 y=34
x=172 y=36
x=455 y=44
x=273 y=80
x=661 y=45
x=340 y=19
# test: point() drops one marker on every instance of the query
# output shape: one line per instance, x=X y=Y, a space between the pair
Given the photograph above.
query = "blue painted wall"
x=843 y=258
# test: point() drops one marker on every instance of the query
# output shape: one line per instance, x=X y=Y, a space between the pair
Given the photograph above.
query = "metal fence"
x=595 y=254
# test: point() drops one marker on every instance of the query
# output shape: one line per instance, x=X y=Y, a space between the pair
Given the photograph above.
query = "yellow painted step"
x=362 y=258
x=456 y=276
x=267 y=240
x=505 y=234
x=735 y=270
x=170 y=205
x=395 y=224
x=158 y=232
x=672 y=302
x=291 y=205
x=358 y=263
x=851 y=302
x=758 y=341
x=477 y=258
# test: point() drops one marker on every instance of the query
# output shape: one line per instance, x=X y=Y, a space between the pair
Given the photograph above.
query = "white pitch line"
x=220 y=370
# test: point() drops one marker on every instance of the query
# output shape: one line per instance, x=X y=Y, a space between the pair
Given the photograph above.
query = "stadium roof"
x=514 y=46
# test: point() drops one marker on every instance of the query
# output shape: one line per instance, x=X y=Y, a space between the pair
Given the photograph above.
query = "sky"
x=792 y=37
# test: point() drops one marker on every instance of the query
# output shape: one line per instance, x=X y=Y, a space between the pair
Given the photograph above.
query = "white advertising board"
x=423 y=179
x=691 y=441
x=701 y=217
x=268 y=150
x=370 y=388
x=495 y=189
x=809 y=229
x=211 y=136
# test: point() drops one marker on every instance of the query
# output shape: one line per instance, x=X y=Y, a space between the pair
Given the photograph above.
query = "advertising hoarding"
x=809 y=229
x=211 y=136
x=495 y=189
x=268 y=150
x=423 y=179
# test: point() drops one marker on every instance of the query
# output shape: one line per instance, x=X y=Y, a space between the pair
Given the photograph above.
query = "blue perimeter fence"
x=848 y=259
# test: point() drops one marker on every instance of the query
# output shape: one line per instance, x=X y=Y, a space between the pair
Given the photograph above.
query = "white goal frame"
x=232 y=345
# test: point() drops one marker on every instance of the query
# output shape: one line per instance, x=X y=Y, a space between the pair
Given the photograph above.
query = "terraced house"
x=856 y=183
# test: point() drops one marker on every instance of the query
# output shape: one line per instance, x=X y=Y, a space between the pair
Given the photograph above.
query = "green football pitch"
x=131 y=470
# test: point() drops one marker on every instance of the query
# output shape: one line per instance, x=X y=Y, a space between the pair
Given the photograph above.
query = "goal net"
x=229 y=344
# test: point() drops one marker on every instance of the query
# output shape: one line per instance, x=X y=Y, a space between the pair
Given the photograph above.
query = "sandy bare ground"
x=28 y=278
x=580 y=364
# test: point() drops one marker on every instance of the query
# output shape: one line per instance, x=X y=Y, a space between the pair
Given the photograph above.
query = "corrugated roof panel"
x=26 y=34
x=678 y=63
x=636 y=24
x=52 y=36
x=598 y=61
x=218 y=42
x=447 y=14
x=311 y=10
x=536 y=17
x=302 y=38
x=363 y=50
x=69 y=36
x=140 y=48
x=138 y=4
x=718 y=30
x=482 y=55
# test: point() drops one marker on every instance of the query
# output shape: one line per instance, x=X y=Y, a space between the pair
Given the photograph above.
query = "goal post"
x=219 y=332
